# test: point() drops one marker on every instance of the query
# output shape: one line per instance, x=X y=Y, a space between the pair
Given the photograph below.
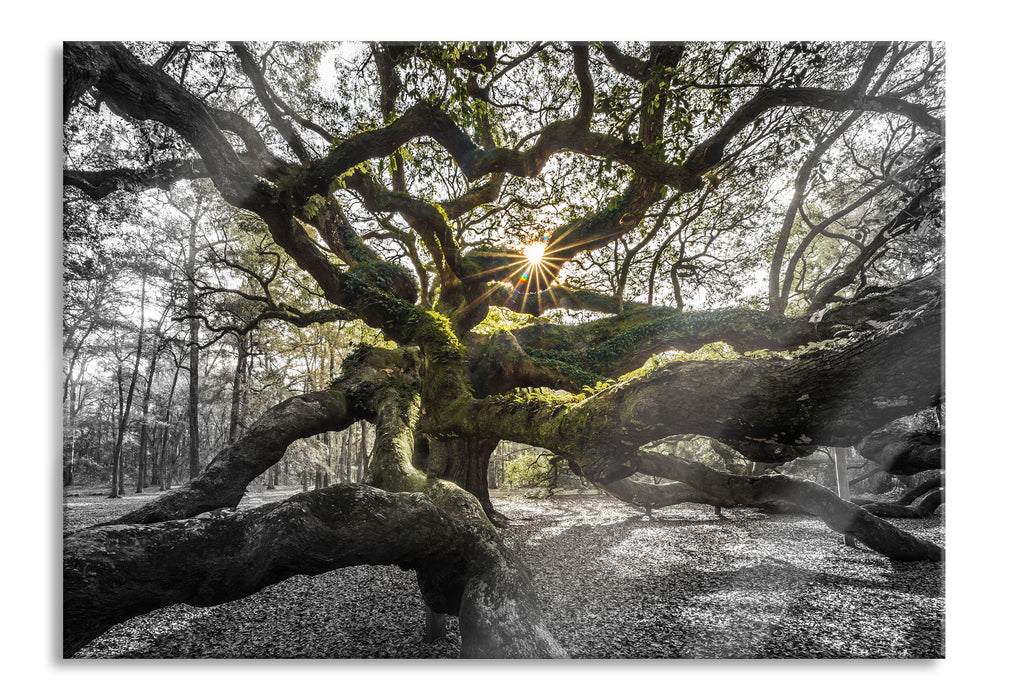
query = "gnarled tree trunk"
x=464 y=461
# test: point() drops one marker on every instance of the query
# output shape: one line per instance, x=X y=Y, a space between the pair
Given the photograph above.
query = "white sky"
x=31 y=358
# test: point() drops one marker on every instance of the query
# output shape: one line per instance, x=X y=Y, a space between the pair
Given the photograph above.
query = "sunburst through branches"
x=534 y=253
x=537 y=274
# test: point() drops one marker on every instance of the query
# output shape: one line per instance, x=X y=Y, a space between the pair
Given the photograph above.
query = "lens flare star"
x=534 y=253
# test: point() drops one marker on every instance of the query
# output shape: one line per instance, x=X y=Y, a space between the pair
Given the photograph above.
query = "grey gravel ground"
x=613 y=584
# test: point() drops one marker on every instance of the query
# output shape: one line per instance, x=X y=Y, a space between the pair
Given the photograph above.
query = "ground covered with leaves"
x=613 y=584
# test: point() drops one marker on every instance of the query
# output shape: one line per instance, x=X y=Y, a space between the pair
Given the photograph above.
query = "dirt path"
x=613 y=584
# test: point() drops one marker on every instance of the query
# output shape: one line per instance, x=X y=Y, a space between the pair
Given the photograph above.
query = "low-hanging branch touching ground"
x=358 y=395
x=929 y=494
x=113 y=573
x=837 y=513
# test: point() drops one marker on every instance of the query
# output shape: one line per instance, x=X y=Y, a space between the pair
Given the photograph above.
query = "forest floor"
x=612 y=583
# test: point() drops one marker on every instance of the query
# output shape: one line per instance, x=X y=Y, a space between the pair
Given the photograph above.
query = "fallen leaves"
x=613 y=584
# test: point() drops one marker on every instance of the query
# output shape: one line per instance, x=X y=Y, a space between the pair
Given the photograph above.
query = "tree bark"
x=931 y=493
x=650 y=496
x=215 y=559
x=908 y=445
x=923 y=509
x=464 y=461
x=238 y=389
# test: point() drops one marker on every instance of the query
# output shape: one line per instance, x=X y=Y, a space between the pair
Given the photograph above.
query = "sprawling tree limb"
x=708 y=153
x=262 y=90
x=143 y=92
x=906 y=446
x=622 y=63
x=475 y=197
x=827 y=396
x=360 y=394
x=570 y=357
x=922 y=509
x=649 y=496
x=223 y=483
x=559 y=296
x=99 y=184
x=260 y=159
x=281 y=312
x=613 y=346
x=838 y=514
x=930 y=492
x=112 y=573
x=498 y=364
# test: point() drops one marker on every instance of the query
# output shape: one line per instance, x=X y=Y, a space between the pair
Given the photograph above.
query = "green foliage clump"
x=566 y=362
x=499 y=318
x=543 y=473
x=533 y=398
x=527 y=471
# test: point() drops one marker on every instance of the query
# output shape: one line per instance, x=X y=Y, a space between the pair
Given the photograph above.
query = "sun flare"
x=534 y=253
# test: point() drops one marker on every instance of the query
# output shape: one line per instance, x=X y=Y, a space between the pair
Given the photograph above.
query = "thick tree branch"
x=143 y=92
x=650 y=496
x=827 y=396
x=263 y=94
x=907 y=446
x=97 y=184
x=622 y=63
x=708 y=153
x=222 y=484
x=613 y=346
x=840 y=515
x=114 y=573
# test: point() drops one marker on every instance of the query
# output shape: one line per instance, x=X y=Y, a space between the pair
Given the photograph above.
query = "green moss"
x=458 y=504
x=568 y=363
x=433 y=332
x=357 y=356
x=598 y=347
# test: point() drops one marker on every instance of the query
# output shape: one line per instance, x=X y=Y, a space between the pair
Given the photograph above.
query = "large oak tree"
x=541 y=233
